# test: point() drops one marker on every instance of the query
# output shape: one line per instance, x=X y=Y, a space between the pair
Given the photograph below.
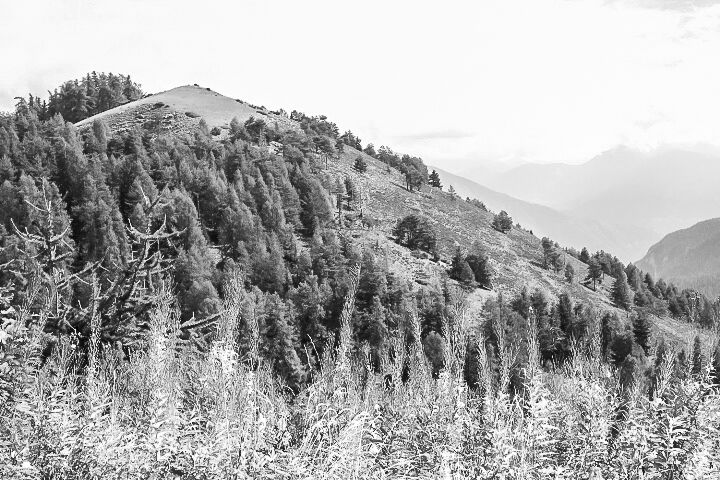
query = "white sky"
x=454 y=82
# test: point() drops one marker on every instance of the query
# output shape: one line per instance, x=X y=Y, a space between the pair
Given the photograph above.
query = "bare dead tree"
x=47 y=250
x=126 y=301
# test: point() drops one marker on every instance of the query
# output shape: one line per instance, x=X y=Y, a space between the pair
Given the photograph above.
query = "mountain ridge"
x=690 y=257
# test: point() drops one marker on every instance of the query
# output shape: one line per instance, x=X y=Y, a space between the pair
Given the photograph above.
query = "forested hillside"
x=227 y=291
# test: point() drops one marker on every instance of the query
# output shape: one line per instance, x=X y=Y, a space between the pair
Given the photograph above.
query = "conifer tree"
x=697 y=356
x=558 y=260
x=522 y=303
x=606 y=333
x=360 y=164
x=480 y=266
x=370 y=150
x=650 y=283
x=621 y=347
x=502 y=222
x=622 y=295
x=434 y=349
x=548 y=248
x=569 y=273
x=584 y=255
x=310 y=299
x=434 y=180
x=594 y=272
x=416 y=232
x=460 y=269
x=280 y=339
x=101 y=232
x=634 y=276
x=716 y=364
x=641 y=331
x=565 y=313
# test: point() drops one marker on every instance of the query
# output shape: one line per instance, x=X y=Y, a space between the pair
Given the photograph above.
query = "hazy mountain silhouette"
x=567 y=229
x=690 y=257
x=640 y=195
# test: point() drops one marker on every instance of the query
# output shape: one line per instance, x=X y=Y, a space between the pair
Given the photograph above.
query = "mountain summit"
x=181 y=109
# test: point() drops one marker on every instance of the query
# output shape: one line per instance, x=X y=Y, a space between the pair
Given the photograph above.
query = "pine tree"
x=649 y=282
x=716 y=364
x=370 y=150
x=311 y=299
x=558 y=260
x=584 y=255
x=606 y=333
x=434 y=349
x=634 y=276
x=548 y=248
x=627 y=374
x=569 y=273
x=480 y=267
x=621 y=347
x=280 y=339
x=594 y=272
x=416 y=232
x=622 y=295
x=522 y=303
x=641 y=331
x=360 y=164
x=697 y=356
x=460 y=269
x=565 y=313
x=502 y=222
x=434 y=180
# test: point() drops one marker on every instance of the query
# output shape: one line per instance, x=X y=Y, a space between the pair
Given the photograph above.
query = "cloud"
x=680 y=5
x=552 y=81
x=448 y=134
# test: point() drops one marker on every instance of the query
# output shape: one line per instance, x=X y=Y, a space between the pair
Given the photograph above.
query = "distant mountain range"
x=689 y=257
x=566 y=228
x=637 y=196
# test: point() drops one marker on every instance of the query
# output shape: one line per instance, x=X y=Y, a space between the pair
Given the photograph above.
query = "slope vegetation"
x=516 y=257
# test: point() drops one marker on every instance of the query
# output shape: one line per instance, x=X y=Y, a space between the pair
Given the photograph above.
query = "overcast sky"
x=453 y=82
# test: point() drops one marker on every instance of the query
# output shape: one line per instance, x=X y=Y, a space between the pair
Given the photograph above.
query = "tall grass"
x=172 y=412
